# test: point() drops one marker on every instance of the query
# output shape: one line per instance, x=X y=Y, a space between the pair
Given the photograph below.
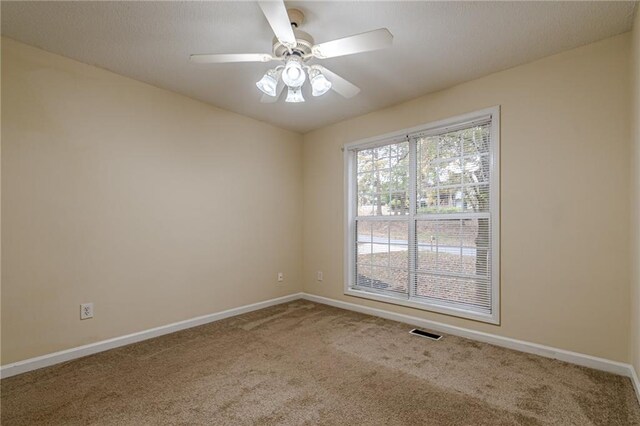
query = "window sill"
x=429 y=307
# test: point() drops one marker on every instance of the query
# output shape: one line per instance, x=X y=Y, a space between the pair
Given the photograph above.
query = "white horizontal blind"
x=381 y=224
x=453 y=219
x=422 y=219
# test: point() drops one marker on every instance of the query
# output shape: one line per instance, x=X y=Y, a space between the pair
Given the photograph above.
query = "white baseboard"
x=81 y=351
x=505 y=342
x=636 y=381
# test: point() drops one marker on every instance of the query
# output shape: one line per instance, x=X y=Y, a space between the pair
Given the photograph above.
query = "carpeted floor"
x=304 y=363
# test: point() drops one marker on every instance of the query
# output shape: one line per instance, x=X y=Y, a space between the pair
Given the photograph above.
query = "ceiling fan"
x=295 y=49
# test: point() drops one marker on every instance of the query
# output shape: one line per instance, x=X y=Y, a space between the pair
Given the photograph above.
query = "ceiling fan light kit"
x=294 y=49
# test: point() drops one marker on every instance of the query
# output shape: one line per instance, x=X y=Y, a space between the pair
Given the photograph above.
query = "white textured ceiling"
x=436 y=45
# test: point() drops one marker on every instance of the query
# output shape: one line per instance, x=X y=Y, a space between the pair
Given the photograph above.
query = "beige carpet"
x=304 y=363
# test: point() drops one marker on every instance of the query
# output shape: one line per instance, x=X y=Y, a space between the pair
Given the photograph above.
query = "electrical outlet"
x=319 y=276
x=86 y=311
x=280 y=277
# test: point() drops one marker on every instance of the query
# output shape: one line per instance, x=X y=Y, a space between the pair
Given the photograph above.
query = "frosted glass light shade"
x=268 y=83
x=320 y=85
x=293 y=74
x=294 y=95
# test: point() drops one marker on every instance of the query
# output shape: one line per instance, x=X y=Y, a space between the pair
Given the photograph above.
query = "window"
x=422 y=225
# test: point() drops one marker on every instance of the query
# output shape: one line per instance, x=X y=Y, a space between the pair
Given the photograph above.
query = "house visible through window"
x=423 y=217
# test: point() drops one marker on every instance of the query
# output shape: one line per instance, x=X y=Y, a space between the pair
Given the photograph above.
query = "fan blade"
x=230 y=57
x=266 y=99
x=276 y=14
x=372 y=40
x=339 y=84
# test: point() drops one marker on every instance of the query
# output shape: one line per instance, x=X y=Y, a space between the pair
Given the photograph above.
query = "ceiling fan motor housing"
x=303 y=47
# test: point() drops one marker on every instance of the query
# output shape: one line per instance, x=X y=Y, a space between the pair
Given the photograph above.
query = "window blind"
x=453 y=236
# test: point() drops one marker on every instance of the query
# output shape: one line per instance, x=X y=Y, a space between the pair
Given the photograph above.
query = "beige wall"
x=155 y=207
x=565 y=196
x=635 y=212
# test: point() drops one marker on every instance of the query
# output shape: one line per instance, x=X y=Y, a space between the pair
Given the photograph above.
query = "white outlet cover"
x=280 y=276
x=319 y=276
x=86 y=311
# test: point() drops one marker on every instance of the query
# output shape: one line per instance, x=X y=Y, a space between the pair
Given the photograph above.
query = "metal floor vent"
x=426 y=334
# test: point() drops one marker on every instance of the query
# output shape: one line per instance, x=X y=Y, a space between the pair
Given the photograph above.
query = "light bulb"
x=268 y=83
x=294 y=95
x=293 y=74
x=320 y=85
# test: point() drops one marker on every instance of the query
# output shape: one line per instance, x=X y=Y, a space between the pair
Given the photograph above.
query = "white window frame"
x=350 y=200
